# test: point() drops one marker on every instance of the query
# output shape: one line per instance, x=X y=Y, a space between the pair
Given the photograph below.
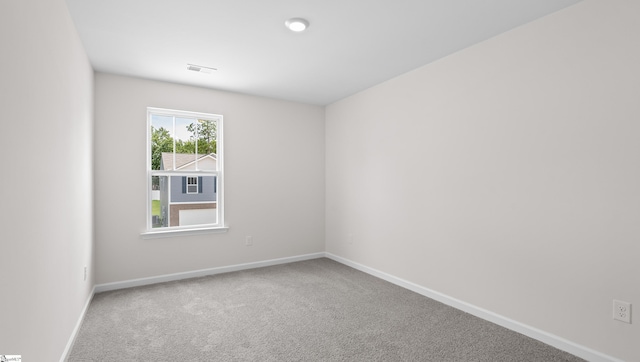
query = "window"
x=184 y=171
x=192 y=184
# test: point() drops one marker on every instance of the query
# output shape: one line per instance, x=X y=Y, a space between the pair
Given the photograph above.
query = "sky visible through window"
x=166 y=122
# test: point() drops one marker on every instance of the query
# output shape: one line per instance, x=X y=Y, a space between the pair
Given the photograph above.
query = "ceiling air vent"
x=200 y=68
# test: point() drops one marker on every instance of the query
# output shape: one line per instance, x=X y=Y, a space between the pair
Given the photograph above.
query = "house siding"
x=208 y=193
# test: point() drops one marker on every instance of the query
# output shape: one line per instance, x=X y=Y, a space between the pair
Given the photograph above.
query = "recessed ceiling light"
x=296 y=24
x=200 y=68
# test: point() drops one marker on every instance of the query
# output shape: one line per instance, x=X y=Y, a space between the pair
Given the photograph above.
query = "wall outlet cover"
x=622 y=311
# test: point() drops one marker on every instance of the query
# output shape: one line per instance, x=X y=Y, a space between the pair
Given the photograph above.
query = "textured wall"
x=274 y=178
x=46 y=236
x=505 y=175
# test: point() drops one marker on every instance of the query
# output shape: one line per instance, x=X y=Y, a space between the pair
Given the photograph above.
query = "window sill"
x=183 y=232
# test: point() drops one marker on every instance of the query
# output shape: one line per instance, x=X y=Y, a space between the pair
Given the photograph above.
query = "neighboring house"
x=188 y=200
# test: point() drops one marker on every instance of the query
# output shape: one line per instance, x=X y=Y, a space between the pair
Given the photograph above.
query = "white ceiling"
x=350 y=45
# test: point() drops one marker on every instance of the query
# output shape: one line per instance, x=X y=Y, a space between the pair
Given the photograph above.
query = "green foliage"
x=203 y=131
x=161 y=141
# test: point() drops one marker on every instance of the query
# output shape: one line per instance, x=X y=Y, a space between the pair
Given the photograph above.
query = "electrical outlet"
x=622 y=311
x=248 y=241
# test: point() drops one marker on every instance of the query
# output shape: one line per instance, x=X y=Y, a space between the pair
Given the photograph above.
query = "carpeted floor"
x=316 y=310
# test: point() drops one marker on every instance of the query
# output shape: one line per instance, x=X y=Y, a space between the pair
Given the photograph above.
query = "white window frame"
x=220 y=225
x=189 y=178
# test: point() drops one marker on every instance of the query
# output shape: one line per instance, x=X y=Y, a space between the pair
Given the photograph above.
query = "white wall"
x=46 y=212
x=506 y=175
x=274 y=164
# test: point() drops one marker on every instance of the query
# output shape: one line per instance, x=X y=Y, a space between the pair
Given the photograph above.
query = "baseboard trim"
x=76 y=329
x=202 y=272
x=540 y=335
x=545 y=337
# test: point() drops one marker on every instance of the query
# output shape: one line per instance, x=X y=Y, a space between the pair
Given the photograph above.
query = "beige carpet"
x=316 y=310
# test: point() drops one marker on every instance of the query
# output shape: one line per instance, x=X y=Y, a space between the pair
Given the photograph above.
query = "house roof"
x=182 y=160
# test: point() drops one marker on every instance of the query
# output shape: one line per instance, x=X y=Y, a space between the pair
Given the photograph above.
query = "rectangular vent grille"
x=201 y=69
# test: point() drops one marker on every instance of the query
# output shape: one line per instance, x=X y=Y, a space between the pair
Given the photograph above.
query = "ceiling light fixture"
x=297 y=24
x=200 y=68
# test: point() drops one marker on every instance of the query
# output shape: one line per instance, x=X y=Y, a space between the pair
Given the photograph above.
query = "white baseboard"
x=76 y=329
x=202 y=272
x=171 y=277
x=545 y=337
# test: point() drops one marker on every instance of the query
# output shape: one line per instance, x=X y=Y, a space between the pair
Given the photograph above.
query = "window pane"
x=185 y=144
x=161 y=142
x=184 y=200
x=207 y=136
x=159 y=201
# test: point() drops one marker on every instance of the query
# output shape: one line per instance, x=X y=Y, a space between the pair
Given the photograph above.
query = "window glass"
x=185 y=169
